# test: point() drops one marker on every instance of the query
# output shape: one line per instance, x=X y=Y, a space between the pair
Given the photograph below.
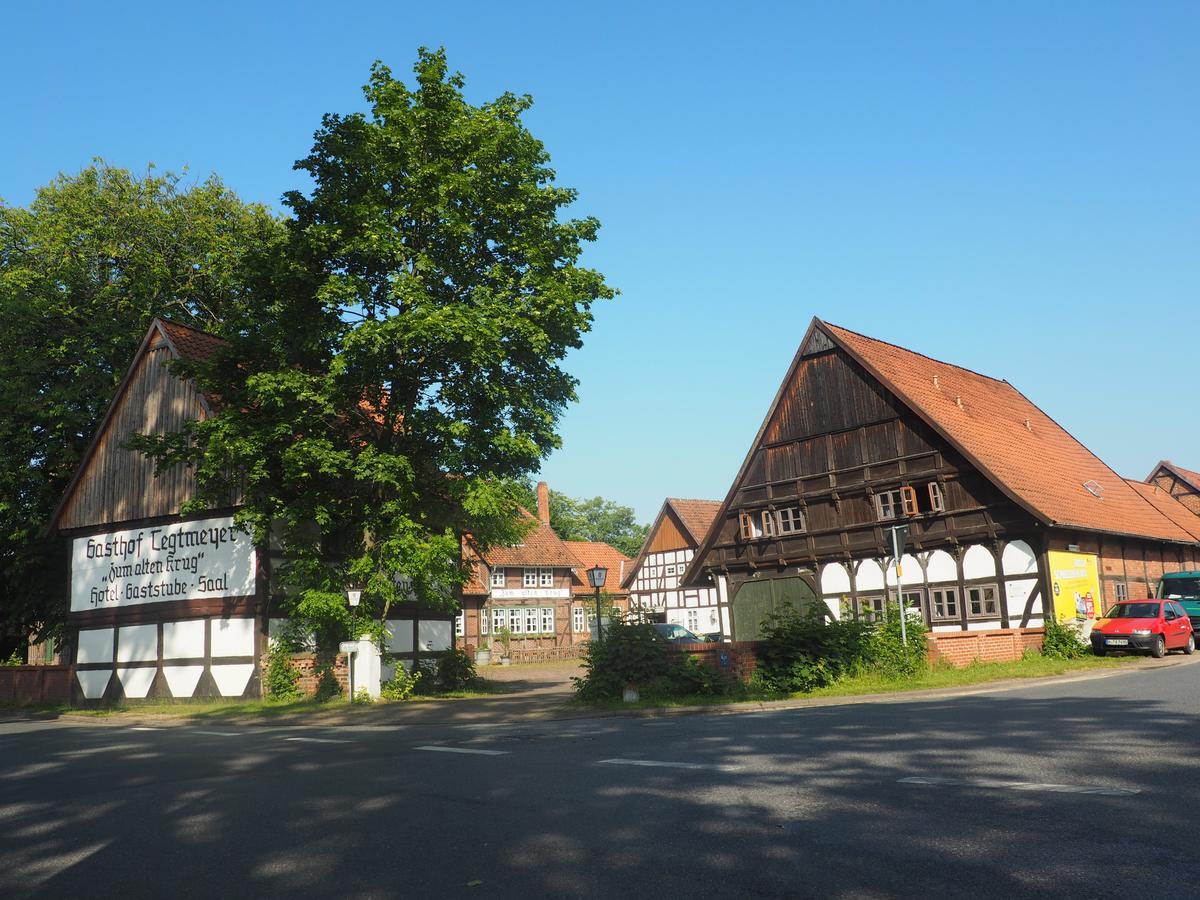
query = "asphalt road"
x=1080 y=789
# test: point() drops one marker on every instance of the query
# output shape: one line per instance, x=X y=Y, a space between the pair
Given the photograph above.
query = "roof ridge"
x=911 y=352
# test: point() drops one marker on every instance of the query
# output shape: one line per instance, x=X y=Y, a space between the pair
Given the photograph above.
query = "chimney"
x=543 y=492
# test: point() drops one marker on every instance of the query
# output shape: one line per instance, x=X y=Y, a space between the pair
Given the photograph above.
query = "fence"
x=25 y=685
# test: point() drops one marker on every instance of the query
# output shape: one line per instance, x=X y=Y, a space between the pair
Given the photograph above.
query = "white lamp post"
x=596 y=577
x=354 y=595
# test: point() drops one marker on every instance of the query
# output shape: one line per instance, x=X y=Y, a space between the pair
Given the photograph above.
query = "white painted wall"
x=136 y=682
x=232 y=637
x=183 y=640
x=95 y=646
x=137 y=643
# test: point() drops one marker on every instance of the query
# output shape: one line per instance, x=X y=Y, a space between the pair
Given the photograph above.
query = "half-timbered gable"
x=1182 y=484
x=655 y=576
x=864 y=435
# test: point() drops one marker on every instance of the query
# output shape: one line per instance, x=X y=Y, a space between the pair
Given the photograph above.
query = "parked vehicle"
x=673 y=633
x=1184 y=589
x=1154 y=625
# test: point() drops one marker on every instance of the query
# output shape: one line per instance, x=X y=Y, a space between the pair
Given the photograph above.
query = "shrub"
x=456 y=671
x=634 y=654
x=401 y=685
x=1062 y=641
x=280 y=675
x=327 y=684
x=801 y=651
x=886 y=650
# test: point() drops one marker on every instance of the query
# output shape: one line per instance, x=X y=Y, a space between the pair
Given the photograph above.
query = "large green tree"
x=596 y=519
x=83 y=269
x=452 y=290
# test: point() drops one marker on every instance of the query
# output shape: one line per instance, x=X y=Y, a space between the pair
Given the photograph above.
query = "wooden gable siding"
x=119 y=485
x=668 y=536
x=837 y=437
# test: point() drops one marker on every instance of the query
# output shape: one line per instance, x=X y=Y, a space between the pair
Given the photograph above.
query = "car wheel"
x=1190 y=647
x=1159 y=650
x=1098 y=651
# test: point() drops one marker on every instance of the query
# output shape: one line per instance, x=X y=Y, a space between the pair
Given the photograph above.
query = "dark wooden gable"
x=1177 y=484
x=115 y=484
x=835 y=437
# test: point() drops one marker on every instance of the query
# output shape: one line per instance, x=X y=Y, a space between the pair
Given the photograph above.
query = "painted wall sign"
x=178 y=561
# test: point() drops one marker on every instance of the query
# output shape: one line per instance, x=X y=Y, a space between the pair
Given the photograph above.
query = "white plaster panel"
x=725 y=626
x=869 y=576
x=232 y=637
x=94 y=684
x=232 y=679
x=95 y=646
x=434 y=635
x=1018 y=559
x=835 y=607
x=947 y=628
x=978 y=562
x=1035 y=622
x=136 y=682
x=137 y=643
x=941 y=567
x=400 y=635
x=1018 y=594
x=983 y=624
x=182 y=680
x=912 y=573
x=183 y=640
x=835 y=579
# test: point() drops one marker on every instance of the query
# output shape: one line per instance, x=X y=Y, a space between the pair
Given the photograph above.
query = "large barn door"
x=760 y=597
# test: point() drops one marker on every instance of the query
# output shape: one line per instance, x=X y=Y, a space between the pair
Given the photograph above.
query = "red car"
x=1154 y=625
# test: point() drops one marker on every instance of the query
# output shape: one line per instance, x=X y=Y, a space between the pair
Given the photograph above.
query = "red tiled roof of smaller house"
x=1168 y=506
x=540 y=547
x=192 y=344
x=696 y=515
x=598 y=553
x=1022 y=450
x=1192 y=479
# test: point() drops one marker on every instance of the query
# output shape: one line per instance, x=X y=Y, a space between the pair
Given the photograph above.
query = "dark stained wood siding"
x=119 y=485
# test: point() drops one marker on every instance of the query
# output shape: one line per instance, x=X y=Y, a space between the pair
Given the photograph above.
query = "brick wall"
x=310 y=665
x=737 y=659
x=23 y=685
x=961 y=648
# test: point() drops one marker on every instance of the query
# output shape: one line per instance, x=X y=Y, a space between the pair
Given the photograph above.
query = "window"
x=458 y=625
x=483 y=621
x=791 y=521
x=547 y=619
x=937 y=502
x=670 y=570
x=530 y=579
x=768 y=523
x=532 y=623
x=1122 y=591
x=498 y=578
x=897 y=503
x=545 y=578
x=870 y=609
x=912 y=600
x=943 y=603
x=693 y=621
x=749 y=526
x=578 y=619
x=516 y=620
x=981 y=602
x=499 y=619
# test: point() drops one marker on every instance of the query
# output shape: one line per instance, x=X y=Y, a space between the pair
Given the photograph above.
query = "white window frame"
x=484 y=620
x=498 y=580
x=1121 y=590
x=981 y=589
x=888 y=505
x=792 y=520
x=872 y=607
x=459 y=625
x=499 y=619
x=692 y=620
x=546 y=614
x=532 y=625
x=949 y=598
x=578 y=619
x=516 y=619
x=545 y=578
x=530 y=577
x=937 y=499
x=770 y=527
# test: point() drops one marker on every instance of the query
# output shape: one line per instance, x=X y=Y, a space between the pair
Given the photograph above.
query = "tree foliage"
x=594 y=519
x=83 y=269
x=414 y=374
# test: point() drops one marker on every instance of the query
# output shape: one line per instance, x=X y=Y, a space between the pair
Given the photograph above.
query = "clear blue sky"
x=1014 y=187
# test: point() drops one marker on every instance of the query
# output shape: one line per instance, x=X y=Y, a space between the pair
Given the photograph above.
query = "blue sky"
x=1012 y=187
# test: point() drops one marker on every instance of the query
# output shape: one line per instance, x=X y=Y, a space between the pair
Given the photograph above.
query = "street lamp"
x=596 y=576
x=354 y=595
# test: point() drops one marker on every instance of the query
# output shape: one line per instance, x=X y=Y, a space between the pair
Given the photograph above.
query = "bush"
x=327 y=684
x=401 y=685
x=456 y=671
x=280 y=675
x=1063 y=641
x=886 y=650
x=635 y=654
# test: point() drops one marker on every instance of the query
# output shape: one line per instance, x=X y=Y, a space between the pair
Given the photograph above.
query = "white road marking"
x=313 y=740
x=436 y=749
x=659 y=764
x=218 y=733
x=143 y=728
x=1022 y=786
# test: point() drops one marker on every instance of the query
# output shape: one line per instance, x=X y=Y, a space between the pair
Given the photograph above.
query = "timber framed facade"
x=1009 y=516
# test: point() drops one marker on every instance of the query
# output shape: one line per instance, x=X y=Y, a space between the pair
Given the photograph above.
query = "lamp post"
x=354 y=595
x=596 y=576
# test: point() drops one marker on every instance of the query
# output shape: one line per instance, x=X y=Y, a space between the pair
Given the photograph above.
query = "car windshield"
x=1180 y=589
x=1133 y=611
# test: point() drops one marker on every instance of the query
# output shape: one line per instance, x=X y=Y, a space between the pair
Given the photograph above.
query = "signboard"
x=177 y=561
x=1075 y=583
x=530 y=593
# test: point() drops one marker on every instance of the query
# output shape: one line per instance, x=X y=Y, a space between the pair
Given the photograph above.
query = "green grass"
x=939 y=677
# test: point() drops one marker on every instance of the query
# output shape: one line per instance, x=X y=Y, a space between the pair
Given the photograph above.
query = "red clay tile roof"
x=540 y=547
x=696 y=515
x=1169 y=507
x=598 y=553
x=190 y=343
x=1192 y=479
x=1025 y=453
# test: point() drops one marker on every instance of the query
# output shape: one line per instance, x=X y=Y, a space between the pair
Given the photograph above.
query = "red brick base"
x=961 y=648
x=310 y=671
x=738 y=659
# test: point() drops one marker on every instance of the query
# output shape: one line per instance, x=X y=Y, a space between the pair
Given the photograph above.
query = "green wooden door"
x=757 y=599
